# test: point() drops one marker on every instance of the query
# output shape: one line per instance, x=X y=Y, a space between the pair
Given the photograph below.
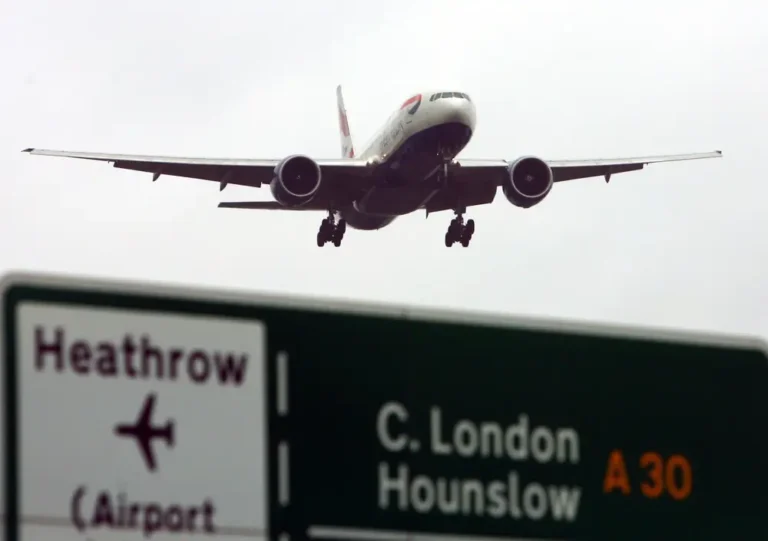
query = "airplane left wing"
x=475 y=181
x=341 y=177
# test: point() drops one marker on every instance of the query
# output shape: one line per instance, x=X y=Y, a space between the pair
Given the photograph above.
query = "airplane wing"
x=343 y=179
x=475 y=181
x=145 y=416
x=146 y=453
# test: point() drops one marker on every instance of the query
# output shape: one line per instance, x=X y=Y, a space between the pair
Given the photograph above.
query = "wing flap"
x=223 y=174
x=269 y=205
x=575 y=169
x=464 y=192
x=563 y=173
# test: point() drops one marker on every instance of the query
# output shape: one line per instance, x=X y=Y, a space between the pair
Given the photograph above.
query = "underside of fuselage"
x=424 y=153
x=409 y=177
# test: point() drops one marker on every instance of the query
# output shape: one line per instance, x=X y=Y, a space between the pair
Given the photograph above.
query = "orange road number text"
x=659 y=475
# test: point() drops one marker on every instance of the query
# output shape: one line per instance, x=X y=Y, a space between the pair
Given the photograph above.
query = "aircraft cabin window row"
x=441 y=95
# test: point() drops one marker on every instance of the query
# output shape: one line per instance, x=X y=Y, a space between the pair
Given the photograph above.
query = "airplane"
x=410 y=164
x=144 y=432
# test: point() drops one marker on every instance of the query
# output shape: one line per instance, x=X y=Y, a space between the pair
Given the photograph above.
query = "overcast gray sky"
x=676 y=245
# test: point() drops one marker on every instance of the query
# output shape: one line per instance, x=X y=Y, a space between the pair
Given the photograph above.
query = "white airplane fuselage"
x=428 y=131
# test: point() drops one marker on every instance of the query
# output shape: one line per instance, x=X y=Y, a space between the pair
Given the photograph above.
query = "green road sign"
x=148 y=410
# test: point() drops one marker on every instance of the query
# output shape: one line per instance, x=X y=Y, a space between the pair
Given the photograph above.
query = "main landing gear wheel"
x=460 y=232
x=330 y=231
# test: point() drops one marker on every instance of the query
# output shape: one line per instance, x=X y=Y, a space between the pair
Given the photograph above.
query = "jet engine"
x=530 y=180
x=296 y=181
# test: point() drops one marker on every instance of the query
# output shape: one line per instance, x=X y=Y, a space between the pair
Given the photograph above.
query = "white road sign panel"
x=137 y=425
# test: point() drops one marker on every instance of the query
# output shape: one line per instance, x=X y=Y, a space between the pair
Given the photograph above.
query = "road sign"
x=144 y=412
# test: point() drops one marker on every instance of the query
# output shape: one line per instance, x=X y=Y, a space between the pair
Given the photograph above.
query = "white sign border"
x=368 y=308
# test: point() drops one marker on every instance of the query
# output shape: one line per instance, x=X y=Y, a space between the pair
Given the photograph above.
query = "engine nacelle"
x=296 y=181
x=530 y=180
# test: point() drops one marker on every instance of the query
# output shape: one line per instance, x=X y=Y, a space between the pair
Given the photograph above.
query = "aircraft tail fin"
x=347 y=147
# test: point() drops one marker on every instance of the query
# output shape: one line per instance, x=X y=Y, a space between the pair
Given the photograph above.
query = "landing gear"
x=458 y=231
x=441 y=178
x=330 y=231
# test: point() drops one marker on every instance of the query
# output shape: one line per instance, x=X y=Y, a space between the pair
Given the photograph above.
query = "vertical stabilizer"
x=347 y=148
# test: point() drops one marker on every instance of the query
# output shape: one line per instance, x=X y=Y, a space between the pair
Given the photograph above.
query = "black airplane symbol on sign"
x=144 y=432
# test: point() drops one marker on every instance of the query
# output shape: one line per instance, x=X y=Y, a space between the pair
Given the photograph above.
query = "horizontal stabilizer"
x=260 y=205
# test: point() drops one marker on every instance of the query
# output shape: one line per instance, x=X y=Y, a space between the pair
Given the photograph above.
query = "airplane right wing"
x=343 y=180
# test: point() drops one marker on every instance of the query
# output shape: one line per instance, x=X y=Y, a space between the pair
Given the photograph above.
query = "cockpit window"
x=441 y=95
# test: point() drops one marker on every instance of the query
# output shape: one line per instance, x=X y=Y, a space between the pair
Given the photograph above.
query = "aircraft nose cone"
x=470 y=112
x=460 y=111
